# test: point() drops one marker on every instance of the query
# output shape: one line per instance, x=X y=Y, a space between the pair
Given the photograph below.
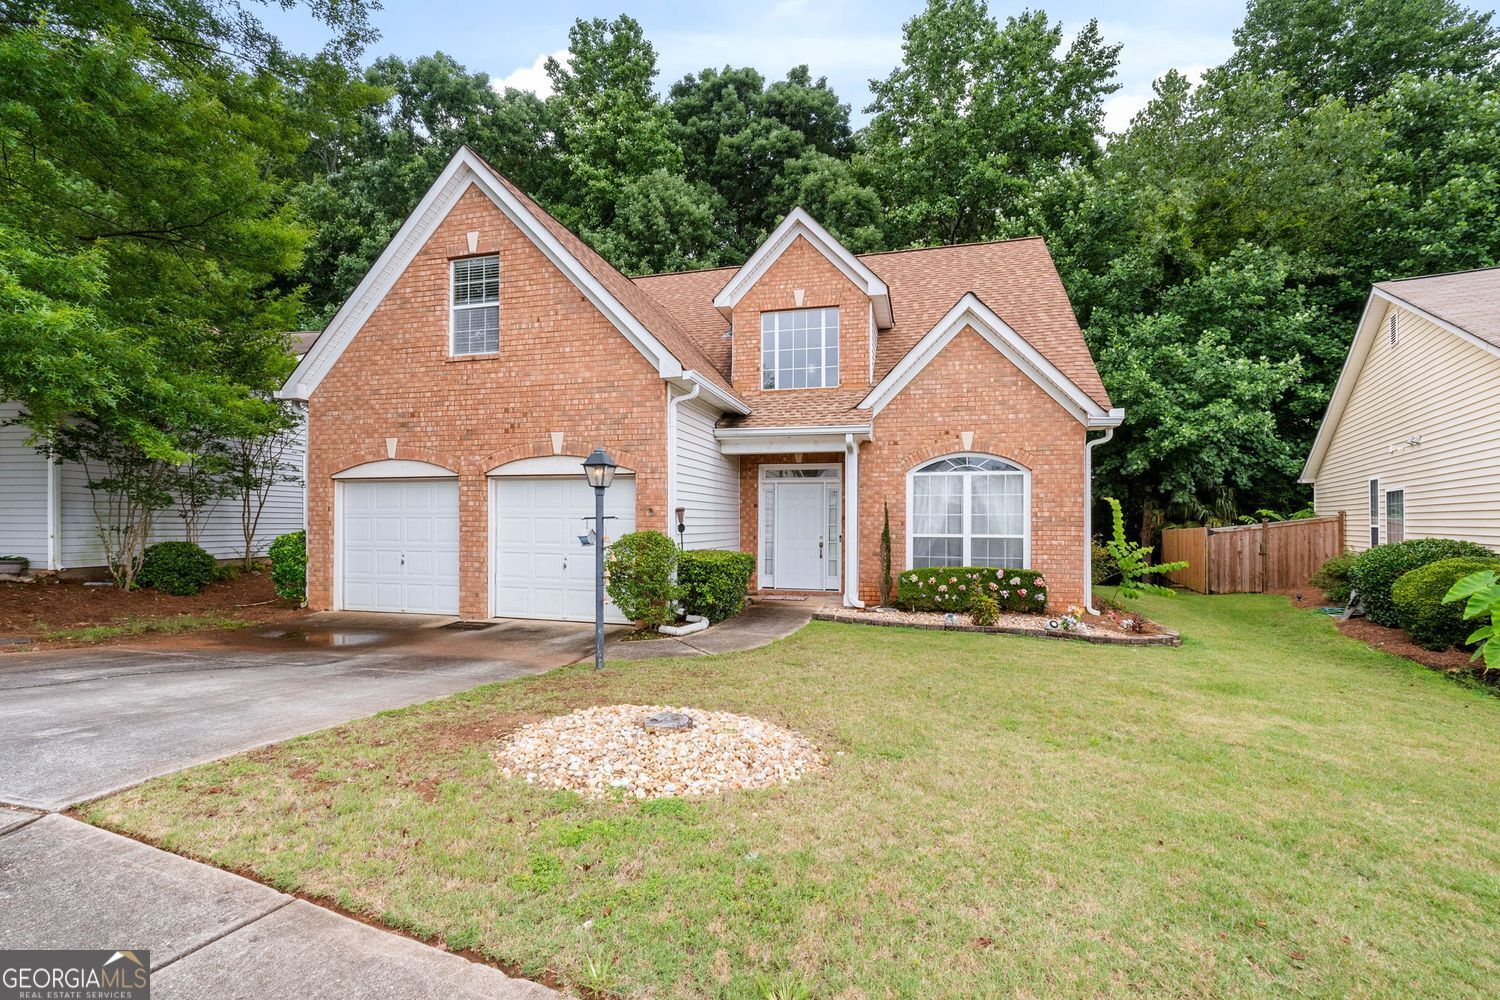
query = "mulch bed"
x=1096 y=627
x=1387 y=640
x=27 y=609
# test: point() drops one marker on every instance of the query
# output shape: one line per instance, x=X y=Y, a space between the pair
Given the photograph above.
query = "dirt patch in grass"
x=55 y=613
x=1393 y=640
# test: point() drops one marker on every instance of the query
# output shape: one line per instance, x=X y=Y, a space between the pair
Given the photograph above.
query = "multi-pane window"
x=1395 y=516
x=1374 y=513
x=799 y=349
x=476 y=305
x=969 y=510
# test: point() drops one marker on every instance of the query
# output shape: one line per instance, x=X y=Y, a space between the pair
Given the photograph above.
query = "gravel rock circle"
x=606 y=751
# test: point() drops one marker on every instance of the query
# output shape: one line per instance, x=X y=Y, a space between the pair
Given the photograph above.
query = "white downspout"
x=673 y=402
x=851 y=523
x=54 y=516
x=1088 y=518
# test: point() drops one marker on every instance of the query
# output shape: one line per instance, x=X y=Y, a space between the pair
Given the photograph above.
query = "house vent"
x=1392 y=323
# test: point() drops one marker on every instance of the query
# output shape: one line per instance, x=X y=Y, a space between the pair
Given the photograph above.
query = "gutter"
x=1088 y=515
x=720 y=398
x=673 y=402
x=851 y=523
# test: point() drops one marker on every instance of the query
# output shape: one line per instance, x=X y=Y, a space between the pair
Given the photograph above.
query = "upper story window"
x=799 y=349
x=476 y=305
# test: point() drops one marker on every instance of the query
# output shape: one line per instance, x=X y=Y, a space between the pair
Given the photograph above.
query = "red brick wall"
x=802 y=266
x=561 y=367
x=972 y=387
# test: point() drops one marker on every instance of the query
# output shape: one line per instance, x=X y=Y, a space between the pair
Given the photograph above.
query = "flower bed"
x=1084 y=627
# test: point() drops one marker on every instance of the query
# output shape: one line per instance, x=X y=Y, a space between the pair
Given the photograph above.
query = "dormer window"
x=476 y=305
x=799 y=349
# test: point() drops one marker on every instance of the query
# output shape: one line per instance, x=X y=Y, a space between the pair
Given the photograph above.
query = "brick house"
x=778 y=405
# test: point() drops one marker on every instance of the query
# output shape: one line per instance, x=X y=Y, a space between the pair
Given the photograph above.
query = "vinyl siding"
x=1431 y=384
x=221 y=534
x=23 y=492
x=708 y=482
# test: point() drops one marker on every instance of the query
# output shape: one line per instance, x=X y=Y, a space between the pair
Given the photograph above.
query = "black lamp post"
x=600 y=470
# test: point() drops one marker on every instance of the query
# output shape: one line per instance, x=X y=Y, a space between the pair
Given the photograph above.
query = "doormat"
x=783 y=597
x=462 y=626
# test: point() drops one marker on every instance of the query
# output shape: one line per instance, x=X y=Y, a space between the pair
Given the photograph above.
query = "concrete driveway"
x=76 y=724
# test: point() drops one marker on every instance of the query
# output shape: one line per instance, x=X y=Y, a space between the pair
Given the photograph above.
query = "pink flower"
x=994 y=585
x=943 y=589
x=952 y=579
x=931 y=580
x=963 y=586
x=1015 y=581
x=1022 y=592
x=1040 y=582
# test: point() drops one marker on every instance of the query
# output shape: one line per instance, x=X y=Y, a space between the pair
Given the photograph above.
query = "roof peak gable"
x=799 y=222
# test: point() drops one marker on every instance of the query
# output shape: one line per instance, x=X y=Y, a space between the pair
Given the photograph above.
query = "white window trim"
x=1376 y=529
x=822 y=349
x=1385 y=509
x=454 y=307
x=911 y=476
x=763 y=481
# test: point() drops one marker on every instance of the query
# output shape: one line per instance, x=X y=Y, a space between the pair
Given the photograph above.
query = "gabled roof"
x=1016 y=279
x=799 y=224
x=639 y=317
x=1465 y=303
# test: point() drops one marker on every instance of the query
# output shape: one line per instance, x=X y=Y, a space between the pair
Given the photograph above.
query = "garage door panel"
x=540 y=570
x=399 y=546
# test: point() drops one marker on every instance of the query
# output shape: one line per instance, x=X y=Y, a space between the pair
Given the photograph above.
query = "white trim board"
x=464 y=170
x=1366 y=332
x=799 y=223
x=971 y=311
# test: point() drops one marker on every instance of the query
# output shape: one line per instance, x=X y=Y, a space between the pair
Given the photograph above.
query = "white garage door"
x=400 y=546
x=540 y=569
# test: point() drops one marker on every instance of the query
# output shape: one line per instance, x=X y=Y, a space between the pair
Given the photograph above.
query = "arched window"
x=969 y=510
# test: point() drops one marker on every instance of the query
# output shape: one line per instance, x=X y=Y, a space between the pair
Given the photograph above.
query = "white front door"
x=539 y=568
x=800 y=536
x=399 y=542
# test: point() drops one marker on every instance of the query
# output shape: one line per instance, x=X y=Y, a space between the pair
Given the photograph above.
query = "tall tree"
x=1357 y=49
x=977 y=115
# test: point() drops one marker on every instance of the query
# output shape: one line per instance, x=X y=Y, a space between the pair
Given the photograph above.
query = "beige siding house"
x=1410 y=445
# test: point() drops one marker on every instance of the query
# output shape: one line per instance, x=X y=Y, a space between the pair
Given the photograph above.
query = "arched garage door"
x=399 y=545
x=538 y=568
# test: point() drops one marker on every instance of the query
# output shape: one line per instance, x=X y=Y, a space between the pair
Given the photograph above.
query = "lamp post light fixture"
x=681 y=527
x=599 y=468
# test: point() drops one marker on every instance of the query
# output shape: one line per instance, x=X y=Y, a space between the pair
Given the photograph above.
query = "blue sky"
x=848 y=42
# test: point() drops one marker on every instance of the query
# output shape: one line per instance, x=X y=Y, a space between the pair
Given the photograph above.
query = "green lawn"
x=1271 y=810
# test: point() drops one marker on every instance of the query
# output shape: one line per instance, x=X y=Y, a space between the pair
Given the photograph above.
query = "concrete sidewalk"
x=761 y=623
x=64 y=884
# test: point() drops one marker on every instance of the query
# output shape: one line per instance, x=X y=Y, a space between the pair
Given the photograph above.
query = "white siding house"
x=1410 y=445
x=707 y=482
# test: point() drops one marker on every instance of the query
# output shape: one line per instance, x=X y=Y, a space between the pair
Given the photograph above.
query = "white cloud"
x=534 y=77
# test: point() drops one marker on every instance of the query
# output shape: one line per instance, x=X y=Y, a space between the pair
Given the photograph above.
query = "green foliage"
x=638 y=573
x=1376 y=570
x=884 y=582
x=953 y=588
x=984 y=610
x=178 y=568
x=1419 y=598
x=1102 y=564
x=1332 y=578
x=713 y=582
x=289 y=566
x=977 y=115
x=1480 y=593
x=25 y=563
x=1133 y=560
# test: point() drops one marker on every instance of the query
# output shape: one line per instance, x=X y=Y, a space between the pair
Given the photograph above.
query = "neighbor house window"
x=969 y=510
x=1395 y=516
x=476 y=305
x=799 y=349
x=1374 y=513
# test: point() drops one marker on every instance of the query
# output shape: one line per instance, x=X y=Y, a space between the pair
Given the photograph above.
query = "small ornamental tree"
x=885 y=559
x=1133 y=560
x=1481 y=594
x=639 y=569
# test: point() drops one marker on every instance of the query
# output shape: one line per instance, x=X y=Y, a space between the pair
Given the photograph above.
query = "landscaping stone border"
x=1163 y=638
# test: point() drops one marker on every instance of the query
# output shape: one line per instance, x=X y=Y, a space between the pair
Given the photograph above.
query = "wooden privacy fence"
x=1252 y=558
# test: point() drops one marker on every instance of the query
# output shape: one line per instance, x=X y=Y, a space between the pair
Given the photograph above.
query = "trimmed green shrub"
x=1376 y=570
x=289 y=566
x=638 y=577
x=984 y=610
x=1418 y=597
x=1332 y=578
x=713 y=582
x=178 y=568
x=953 y=588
